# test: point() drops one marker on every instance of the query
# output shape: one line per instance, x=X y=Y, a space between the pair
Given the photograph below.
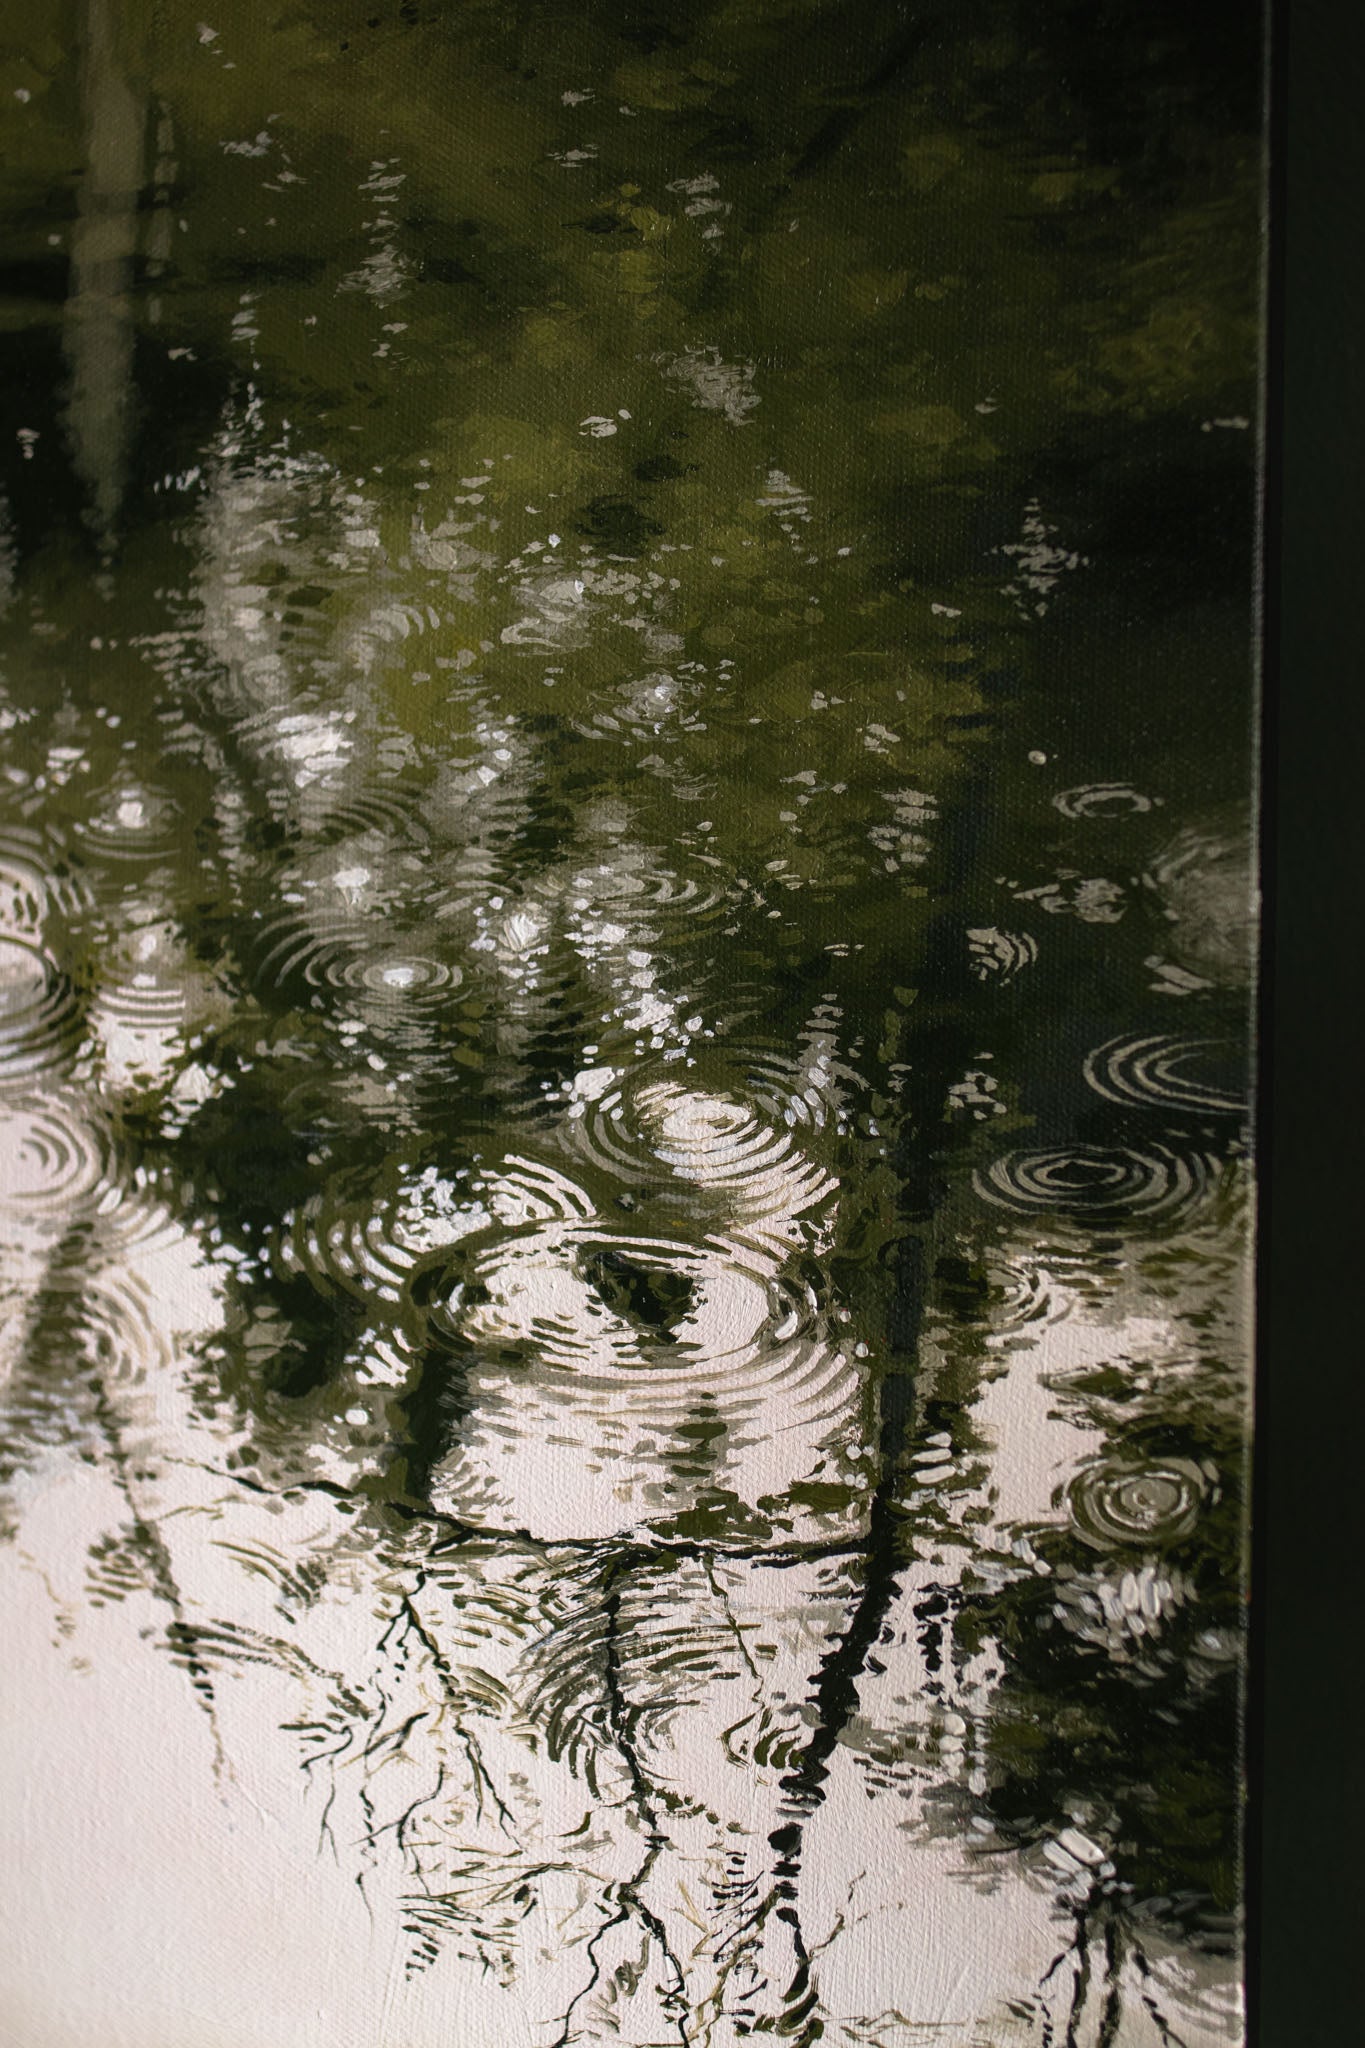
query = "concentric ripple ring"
x=1095 y=1183
x=1113 y=1505
x=1161 y=1072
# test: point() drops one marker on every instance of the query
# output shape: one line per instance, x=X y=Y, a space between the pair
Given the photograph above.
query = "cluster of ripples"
x=647 y=1377
x=625 y=1377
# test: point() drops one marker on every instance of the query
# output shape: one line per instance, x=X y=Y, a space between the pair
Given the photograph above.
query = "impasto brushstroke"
x=626 y=942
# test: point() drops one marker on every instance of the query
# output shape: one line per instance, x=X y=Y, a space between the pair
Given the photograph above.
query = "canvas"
x=627 y=944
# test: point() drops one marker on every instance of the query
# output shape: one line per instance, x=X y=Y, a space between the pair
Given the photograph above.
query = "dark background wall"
x=1311 y=1709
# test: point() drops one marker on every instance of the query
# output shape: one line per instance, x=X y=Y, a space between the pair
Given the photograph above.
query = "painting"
x=627 y=960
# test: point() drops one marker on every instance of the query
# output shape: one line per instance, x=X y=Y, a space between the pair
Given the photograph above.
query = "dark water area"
x=626 y=938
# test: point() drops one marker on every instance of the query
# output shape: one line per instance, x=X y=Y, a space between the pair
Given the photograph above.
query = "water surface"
x=625 y=936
